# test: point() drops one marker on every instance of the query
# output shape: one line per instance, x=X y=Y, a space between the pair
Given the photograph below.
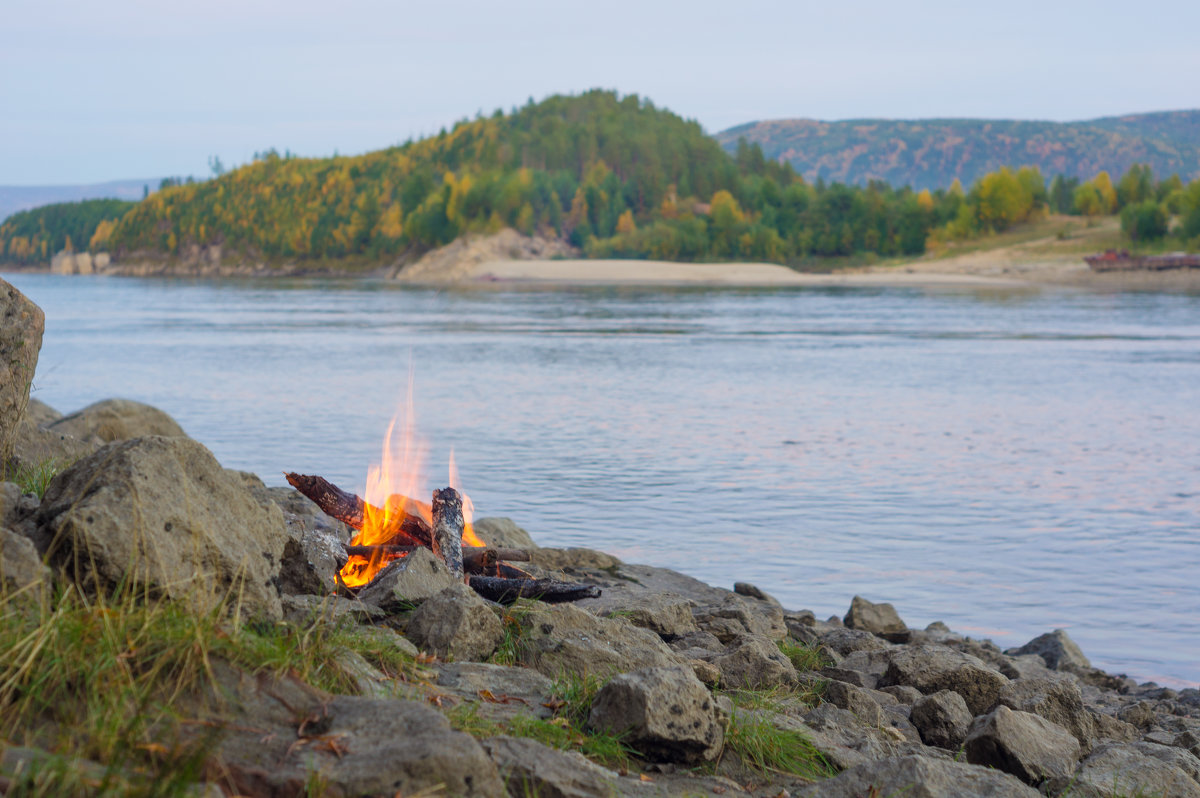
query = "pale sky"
x=137 y=89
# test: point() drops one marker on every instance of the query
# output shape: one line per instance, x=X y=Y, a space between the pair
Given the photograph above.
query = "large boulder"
x=558 y=639
x=878 y=619
x=162 y=512
x=456 y=623
x=666 y=713
x=38 y=413
x=1056 y=648
x=21 y=327
x=920 y=777
x=503 y=533
x=1028 y=746
x=21 y=569
x=117 y=420
x=933 y=668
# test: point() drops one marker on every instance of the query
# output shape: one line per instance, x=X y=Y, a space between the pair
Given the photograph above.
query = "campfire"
x=391 y=525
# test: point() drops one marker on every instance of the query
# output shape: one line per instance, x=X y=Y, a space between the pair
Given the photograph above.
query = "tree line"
x=35 y=235
x=616 y=176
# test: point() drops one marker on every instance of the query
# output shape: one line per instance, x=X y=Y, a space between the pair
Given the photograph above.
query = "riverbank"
x=1046 y=253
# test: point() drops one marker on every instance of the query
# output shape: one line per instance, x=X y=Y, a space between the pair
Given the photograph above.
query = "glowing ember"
x=389 y=486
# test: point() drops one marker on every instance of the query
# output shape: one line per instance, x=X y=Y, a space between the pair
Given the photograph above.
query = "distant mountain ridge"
x=20 y=198
x=931 y=153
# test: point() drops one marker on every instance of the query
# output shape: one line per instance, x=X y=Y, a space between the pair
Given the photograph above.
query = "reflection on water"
x=1007 y=463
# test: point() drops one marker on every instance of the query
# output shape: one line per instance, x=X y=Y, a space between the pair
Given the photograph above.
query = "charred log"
x=506 y=591
x=404 y=527
x=448 y=526
x=476 y=560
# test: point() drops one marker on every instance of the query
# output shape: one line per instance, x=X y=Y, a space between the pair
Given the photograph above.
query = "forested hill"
x=932 y=153
x=613 y=175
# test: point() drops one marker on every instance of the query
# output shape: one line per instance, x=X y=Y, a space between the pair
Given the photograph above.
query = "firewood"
x=404 y=528
x=479 y=554
x=506 y=591
x=448 y=526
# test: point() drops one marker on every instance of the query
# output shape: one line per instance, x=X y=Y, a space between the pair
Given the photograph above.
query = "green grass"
x=98 y=678
x=509 y=651
x=35 y=478
x=803 y=658
x=566 y=730
x=765 y=747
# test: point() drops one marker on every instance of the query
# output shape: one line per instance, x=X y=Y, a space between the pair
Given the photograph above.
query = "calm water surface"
x=1006 y=462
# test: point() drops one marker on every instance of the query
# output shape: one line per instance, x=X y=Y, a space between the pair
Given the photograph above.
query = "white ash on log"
x=448 y=526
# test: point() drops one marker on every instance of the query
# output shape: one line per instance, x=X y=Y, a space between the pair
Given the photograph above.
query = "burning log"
x=476 y=560
x=448 y=526
x=405 y=528
x=506 y=591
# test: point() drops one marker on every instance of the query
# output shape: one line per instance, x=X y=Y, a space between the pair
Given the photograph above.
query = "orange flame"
x=390 y=486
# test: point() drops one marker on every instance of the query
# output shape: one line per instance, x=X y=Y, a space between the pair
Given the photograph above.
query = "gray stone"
x=315 y=551
x=1186 y=761
x=733 y=616
x=934 y=668
x=21 y=326
x=38 y=413
x=21 y=569
x=904 y=694
x=755 y=592
x=754 y=662
x=1139 y=714
x=855 y=700
x=873 y=741
x=309 y=610
x=558 y=639
x=283 y=733
x=1106 y=727
x=516 y=691
x=1028 y=746
x=572 y=560
x=667 y=615
x=1055 y=648
x=117 y=420
x=537 y=771
x=35 y=448
x=1056 y=699
x=456 y=623
x=1117 y=770
x=503 y=533
x=878 y=619
x=847 y=641
x=407 y=582
x=942 y=719
x=920 y=777
x=162 y=512
x=666 y=713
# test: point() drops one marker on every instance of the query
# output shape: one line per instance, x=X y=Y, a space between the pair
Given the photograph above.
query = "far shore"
x=1047 y=253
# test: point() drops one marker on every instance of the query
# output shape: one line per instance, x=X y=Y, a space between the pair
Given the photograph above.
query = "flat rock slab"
x=558 y=639
x=920 y=777
x=530 y=768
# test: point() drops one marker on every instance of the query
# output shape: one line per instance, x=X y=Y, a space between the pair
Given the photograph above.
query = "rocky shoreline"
x=702 y=690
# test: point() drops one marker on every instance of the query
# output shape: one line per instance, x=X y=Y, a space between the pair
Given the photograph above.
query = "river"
x=1006 y=461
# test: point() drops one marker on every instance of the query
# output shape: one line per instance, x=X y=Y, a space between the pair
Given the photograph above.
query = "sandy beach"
x=1049 y=254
